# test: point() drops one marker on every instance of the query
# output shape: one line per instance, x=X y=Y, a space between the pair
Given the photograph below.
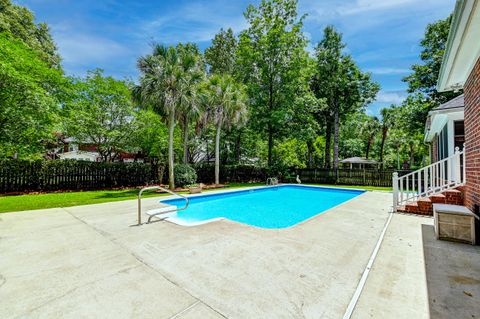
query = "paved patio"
x=87 y=261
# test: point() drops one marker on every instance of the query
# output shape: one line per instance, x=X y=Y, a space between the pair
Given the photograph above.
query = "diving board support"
x=158 y=211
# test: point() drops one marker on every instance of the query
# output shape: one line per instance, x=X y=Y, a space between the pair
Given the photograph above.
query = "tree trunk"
x=382 y=145
x=237 y=147
x=336 y=136
x=310 y=154
x=171 y=128
x=185 y=140
x=217 y=153
x=412 y=156
x=270 y=128
x=328 y=143
x=270 y=145
x=369 y=144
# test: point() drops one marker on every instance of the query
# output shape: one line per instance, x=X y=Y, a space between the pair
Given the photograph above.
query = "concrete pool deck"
x=86 y=261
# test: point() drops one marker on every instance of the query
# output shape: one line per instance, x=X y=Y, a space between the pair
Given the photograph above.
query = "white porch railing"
x=433 y=179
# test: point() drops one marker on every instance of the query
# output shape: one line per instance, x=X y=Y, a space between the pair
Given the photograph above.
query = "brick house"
x=461 y=69
x=453 y=177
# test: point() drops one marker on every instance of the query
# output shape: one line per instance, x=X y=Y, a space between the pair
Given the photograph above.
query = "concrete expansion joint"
x=184 y=310
x=140 y=260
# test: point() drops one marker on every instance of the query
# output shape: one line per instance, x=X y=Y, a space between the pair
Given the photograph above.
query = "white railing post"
x=464 y=180
x=458 y=166
x=395 y=191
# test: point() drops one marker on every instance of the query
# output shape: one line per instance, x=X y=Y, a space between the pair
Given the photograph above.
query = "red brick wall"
x=472 y=136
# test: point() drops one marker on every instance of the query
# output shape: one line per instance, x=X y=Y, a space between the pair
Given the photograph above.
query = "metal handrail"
x=168 y=211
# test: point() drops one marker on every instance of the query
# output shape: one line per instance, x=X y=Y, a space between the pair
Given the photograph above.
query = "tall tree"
x=387 y=121
x=30 y=95
x=328 y=54
x=163 y=81
x=221 y=55
x=272 y=56
x=370 y=129
x=342 y=84
x=20 y=22
x=101 y=113
x=226 y=106
x=189 y=110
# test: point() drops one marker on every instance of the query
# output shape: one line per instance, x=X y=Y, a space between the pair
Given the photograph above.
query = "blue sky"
x=382 y=35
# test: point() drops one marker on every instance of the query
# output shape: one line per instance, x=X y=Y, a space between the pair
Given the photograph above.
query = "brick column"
x=472 y=136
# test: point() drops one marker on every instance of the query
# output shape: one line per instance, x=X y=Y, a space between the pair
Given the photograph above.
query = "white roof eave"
x=463 y=48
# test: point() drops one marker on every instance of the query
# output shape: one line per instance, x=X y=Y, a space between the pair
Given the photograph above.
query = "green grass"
x=52 y=200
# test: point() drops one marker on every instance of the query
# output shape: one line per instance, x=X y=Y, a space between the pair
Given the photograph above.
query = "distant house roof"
x=358 y=160
x=454 y=103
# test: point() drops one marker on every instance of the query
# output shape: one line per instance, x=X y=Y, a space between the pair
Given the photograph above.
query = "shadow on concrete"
x=453 y=277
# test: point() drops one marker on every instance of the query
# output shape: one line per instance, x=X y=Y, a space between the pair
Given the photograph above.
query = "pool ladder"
x=162 y=211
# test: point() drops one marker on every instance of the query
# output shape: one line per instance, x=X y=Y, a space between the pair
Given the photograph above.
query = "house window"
x=459 y=131
x=442 y=142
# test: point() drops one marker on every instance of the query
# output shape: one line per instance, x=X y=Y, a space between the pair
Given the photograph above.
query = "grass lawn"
x=51 y=200
x=42 y=201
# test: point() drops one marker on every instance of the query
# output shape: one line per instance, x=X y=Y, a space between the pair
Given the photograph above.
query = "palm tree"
x=189 y=102
x=225 y=102
x=370 y=129
x=387 y=122
x=164 y=81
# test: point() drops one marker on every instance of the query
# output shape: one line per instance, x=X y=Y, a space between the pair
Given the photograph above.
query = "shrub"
x=184 y=175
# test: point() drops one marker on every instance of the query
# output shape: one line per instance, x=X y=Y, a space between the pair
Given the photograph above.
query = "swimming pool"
x=266 y=207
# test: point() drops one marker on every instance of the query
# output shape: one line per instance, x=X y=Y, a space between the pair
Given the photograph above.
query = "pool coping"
x=171 y=217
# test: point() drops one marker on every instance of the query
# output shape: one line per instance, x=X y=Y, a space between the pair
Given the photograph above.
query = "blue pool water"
x=269 y=207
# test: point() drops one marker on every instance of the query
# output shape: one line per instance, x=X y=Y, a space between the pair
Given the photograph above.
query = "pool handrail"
x=163 y=212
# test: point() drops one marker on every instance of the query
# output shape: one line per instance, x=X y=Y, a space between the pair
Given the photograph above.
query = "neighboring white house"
x=80 y=156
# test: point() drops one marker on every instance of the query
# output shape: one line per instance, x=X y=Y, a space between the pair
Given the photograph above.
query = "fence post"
x=395 y=191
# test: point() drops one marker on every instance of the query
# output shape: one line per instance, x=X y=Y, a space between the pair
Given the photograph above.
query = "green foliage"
x=151 y=134
x=225 y=106
x=19 y=22
x=29 y=99
x=165 y=83
x=222 y=54
x=344 y=87
x=101 y=113
x=272 y=56
x=291 y=153
x=185 y=175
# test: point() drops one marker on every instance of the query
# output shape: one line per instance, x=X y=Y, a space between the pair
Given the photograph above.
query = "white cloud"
x=195 y=22
x=391 y=97
x=361 y=6
x=87 y=47
x=386 y=71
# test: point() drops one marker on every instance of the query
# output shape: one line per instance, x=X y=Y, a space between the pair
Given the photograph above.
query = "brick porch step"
x=438 y=199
